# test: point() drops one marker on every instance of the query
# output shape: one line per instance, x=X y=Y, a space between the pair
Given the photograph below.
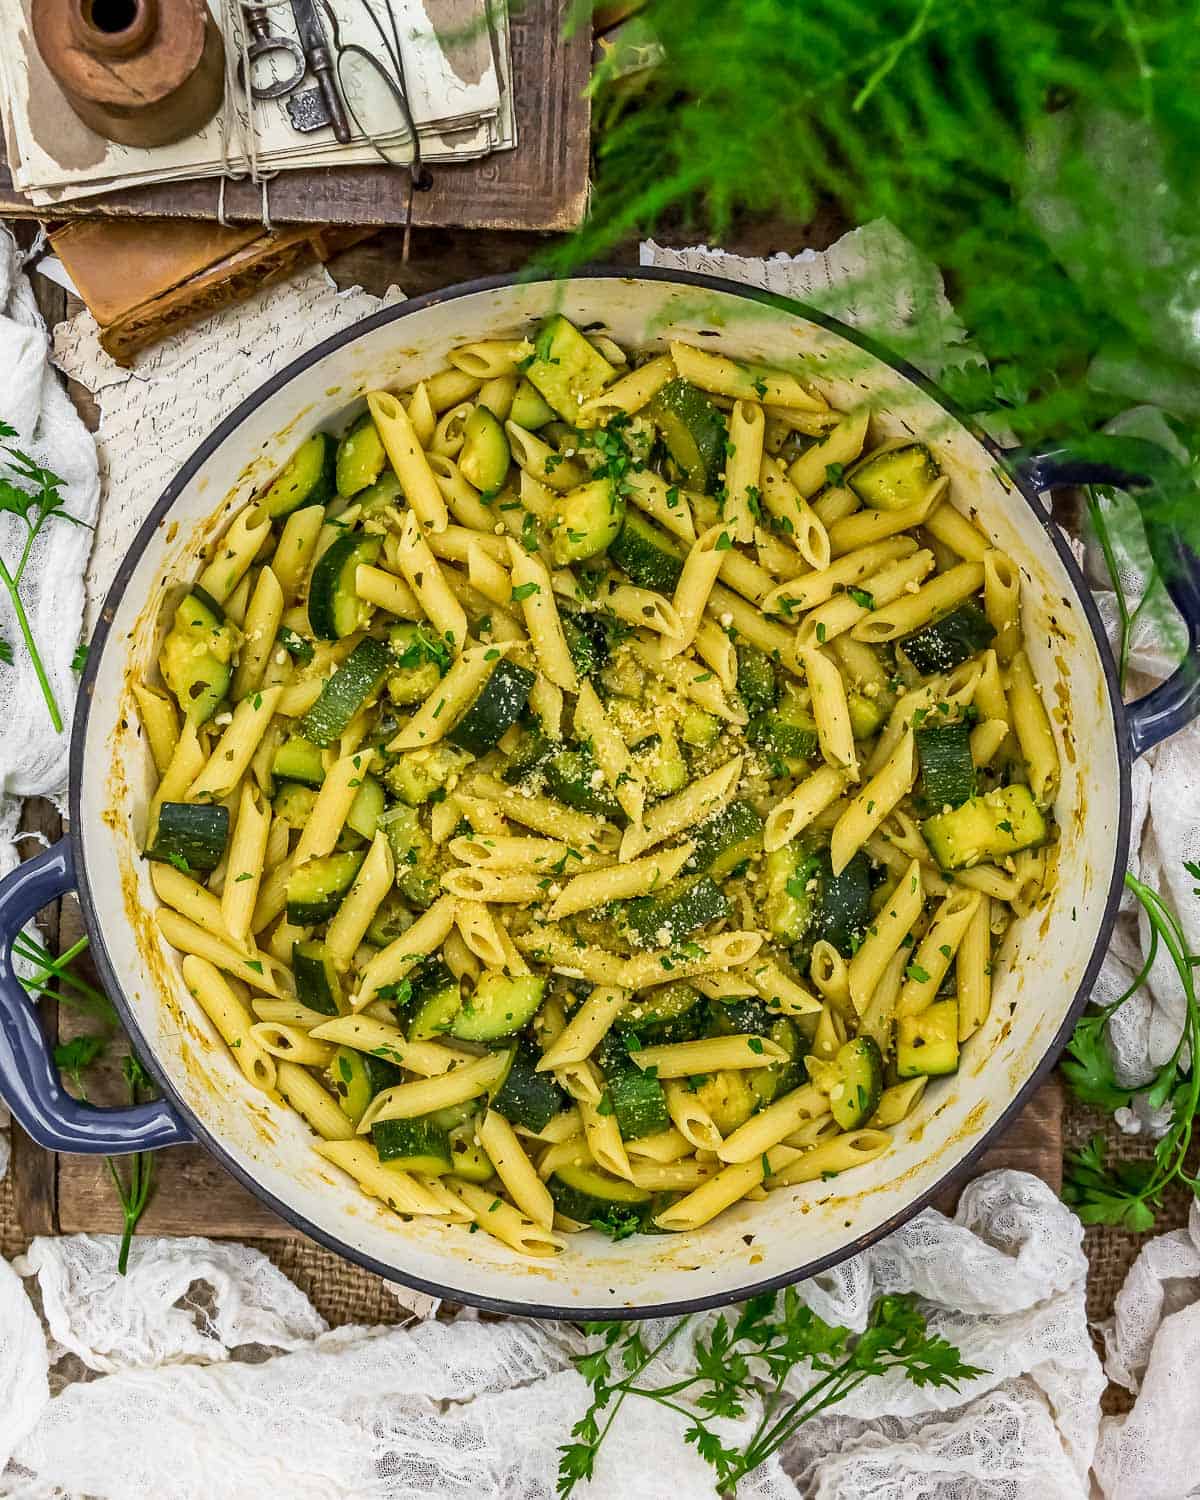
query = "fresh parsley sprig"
x=34 y=507
x=748 y=1359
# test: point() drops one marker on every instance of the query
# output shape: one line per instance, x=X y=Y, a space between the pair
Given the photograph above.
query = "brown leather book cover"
x=144 y=280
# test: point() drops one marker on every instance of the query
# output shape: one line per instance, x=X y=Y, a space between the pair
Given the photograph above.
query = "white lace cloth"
x=205 y=1373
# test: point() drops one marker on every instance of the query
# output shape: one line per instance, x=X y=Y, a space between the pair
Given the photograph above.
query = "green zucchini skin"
x=652 y=559
x=661 y=762
x=844 y=906
x=527 y=1097
x=412 y=854
x=947 y=770
x=298 y=759
x=591 y=1196
x=316 y=889
x=436 y=1000
x=894 y=479
x=948 y=642
x=308 y=478
x=723 y=841
x=497 y=707
x=531 y=754
x=356 y=681
x=190 y=835
x=317 y=982
x=756 y=682
x=357 y=1077
x=667 y=918
x=694 y=431
x=412 y=1146
x=361 y=456
x=587 y=641
x=570 y=775
x=334 y=608
x=295 y=645
x=638 y=1102
x=667 y=1003
x=861 y=1066
x=789 y=906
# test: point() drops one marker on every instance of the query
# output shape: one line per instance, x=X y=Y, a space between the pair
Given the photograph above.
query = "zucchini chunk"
x=497 y=706
x=948 y=642
x=391 y=920
x=420 y=661
x=527 y=1097
x=663 y=920
x=334 y=608
x=866 y=715
x=412 y=1146
x=638 y=1102
x=729 y=1099
x=436 y=998
x=529 y=409
x=565 y=369
x=756 y=683
x=591 y=1196
x=500 y=1005
x=895 y=478
x=652 y=559
x=197 y=655
x=732 y=835
x=574 y=778
x=776 y=1079
x=790 y=905
x=788 y=734
x=419 y=775
x=661 y=762
x=855 y=1097
x=986 y=828
x=587 y=641
x=361 y=456
x=298 y=759
x=694 y=433
x=354 y=683
x=585 y=521
x=844 y=913
x=363 y=817
x=947 y=770
x=316 y=889
x=470 y=1161
x=412 y=855
x=308 y=478
x=294 y=803
x=674 y=1013
x=485 y=454
x=190 y=835
x=357 y=1077
x=295 y=645
x=927 y=1043
x=699 y=729
x=532 y=751
x=317 y=982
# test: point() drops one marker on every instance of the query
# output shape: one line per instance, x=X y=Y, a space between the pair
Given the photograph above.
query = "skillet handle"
x=29 y=1081
x=1130 y=463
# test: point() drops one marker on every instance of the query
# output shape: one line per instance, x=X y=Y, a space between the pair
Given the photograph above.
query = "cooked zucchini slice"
x=412 y=1146
x=317 y=982
x=790 y=904
x=412 y=855
x=470 y=1161
x=927 y=1043
x=500 y=1005
x=436 y=997
x=652 y=558
x=391 y=920
x=591 y=1196
x=726 y=839
x=298 y=759
x=946 y=643
x=587 y=641
x=294 y=803
x=895 y=478
x=776 y=1079
x=316 y=889
x=788 y=734
x=384 y=492
x=420 y=661
x=527 y=1097
x=747 y=1015
x=947 y=770
x=844 y=912
x=694 y=432
x=866 y=715
x=565 y=369
x=532 y=751
x=308 y=478
x=497 y=706
x=756 y=683
x=351 y=687
x=638 y=1102
x=661 y=762
x=529 y=409
x=190 y=835
x=855 y=1097
x=361 y=456
x=357 y=1077
x=986 y=828
x=419 y=775
x=574 y=778
x=485 y=454
x=728 y=1098
x=197 y=655
x=295 y=645
x=585 y=521
x=666 y=1003
x=663 y=920
x=334 y=608
x=363 y=816
x=698 y=729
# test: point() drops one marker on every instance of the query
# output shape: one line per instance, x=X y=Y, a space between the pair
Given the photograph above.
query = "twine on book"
x=238 y=77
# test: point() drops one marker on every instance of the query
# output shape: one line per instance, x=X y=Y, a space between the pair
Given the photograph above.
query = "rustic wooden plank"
x=542 y=184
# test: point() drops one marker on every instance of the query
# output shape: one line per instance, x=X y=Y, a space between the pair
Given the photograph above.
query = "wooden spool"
x=141 y=72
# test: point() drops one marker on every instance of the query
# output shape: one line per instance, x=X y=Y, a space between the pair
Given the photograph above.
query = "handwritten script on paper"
x=153 y=417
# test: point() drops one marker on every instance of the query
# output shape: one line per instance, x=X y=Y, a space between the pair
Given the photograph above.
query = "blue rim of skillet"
x=573 y=1313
